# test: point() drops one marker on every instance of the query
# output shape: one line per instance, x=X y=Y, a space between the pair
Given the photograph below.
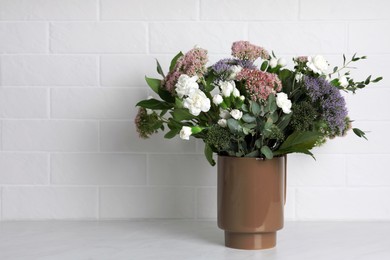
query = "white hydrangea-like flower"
x=283 y=102
x=317 y=64
x=242 y=98
x=185 y=133
x=234 y=70
x=299 y=77
x=217 y=99
x=186 y=85
x=236 y=114
x=282 y=62
x=343 y=81
x=236 y=92
x=227 y=87
x=197 y=102
x=222 y=122
x=273 y=62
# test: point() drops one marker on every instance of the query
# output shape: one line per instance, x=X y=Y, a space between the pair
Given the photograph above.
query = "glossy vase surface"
x=251 y=198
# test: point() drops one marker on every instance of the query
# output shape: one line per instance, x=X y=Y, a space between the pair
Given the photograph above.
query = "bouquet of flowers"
x=243 y=110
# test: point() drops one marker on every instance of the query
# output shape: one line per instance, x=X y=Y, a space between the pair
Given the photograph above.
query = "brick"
x=49 y=203
x=368 y=170
x=299 y=37
x=45 y=70
x=375 y=65
x=23 y=103
x=344 y=10
x=372 y=98
x=249 y=10
x=181 y=170
x=23 y=37
x=122 y=136
x=173 y=37
x=23 y=168
x=96 y=103
x=352 y=144
x=326 y=170
x=149 y=10
x=146 y=202
x=44 y=135
x=48 y=10
x=98 y=169
x=129 y=70
x=343 y=204
x=103 y=37
x=361 y=35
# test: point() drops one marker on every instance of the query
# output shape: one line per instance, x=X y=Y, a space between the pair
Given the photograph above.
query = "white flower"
x=227 y=87
x=273 y=63
x=299 y=77
x=217 y=99
x=343 y=81
x=186 y=85
x=236 y=92
x=185 y=132
x=234 y=70
x=317 y=64
x=224 y=114
x=222 y=122
x=197 y=102
x=236 y=114
x=283 y=102
x=242 y=98
x=282 y=62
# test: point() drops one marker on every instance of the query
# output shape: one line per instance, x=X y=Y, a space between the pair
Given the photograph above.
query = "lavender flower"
x=224 y=65
x=332 y=103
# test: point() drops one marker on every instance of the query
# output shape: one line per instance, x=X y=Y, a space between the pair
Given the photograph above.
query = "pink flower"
x=258 y=84
x=302 y=59
x=192 y=63
x=244 y=50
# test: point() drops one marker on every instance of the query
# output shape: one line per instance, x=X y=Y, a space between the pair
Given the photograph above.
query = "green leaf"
x=174 y=60
x=300 y=139
x=359 y=133
x=271 y=105
x=264 y=65
x=233 y=125
x=159 y=69
x=180 y=114
x=253 y=154
x=284 y=121
x=154 y=84
x=267 y=152
x=196 y=129
x=154 y=104
x=166 y=95
x=367 y=80
x=248 y=118
x=171 y=133
x=255 y=108
x=377 y=79
x=284 y=74
x=209 y=82
x=209 y=154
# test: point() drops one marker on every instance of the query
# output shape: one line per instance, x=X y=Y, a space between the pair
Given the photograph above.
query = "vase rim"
x=256 y=158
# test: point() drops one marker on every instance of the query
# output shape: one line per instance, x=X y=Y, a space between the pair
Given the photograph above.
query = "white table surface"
x=184 y=239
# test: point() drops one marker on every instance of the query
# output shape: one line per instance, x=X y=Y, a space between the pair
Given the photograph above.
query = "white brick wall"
x=71 y=72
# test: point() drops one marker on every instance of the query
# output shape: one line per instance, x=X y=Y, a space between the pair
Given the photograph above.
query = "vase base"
x=250 y=241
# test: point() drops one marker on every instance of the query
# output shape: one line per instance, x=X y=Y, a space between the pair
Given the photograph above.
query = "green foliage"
x=146 y=124
x=299 y=142
x=209 y=154
x=303 y=117
x=154 y=104
x=174 y=61
x=359 y=133
x=218 y=138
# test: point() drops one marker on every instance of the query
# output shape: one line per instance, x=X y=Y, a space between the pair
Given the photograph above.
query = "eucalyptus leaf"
x=248 y=118
x=267 y=152
x=154 y=104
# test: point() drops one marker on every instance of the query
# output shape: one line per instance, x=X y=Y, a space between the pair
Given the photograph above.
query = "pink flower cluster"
x=258 y=84
x=244 y=50
x=192 y=63
x=302 y=59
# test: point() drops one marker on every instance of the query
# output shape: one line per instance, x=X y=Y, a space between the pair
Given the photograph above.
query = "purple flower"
x=332 y=103
x=224 y=65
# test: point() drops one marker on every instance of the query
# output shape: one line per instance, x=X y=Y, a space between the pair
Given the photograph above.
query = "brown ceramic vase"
x=251 y=197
